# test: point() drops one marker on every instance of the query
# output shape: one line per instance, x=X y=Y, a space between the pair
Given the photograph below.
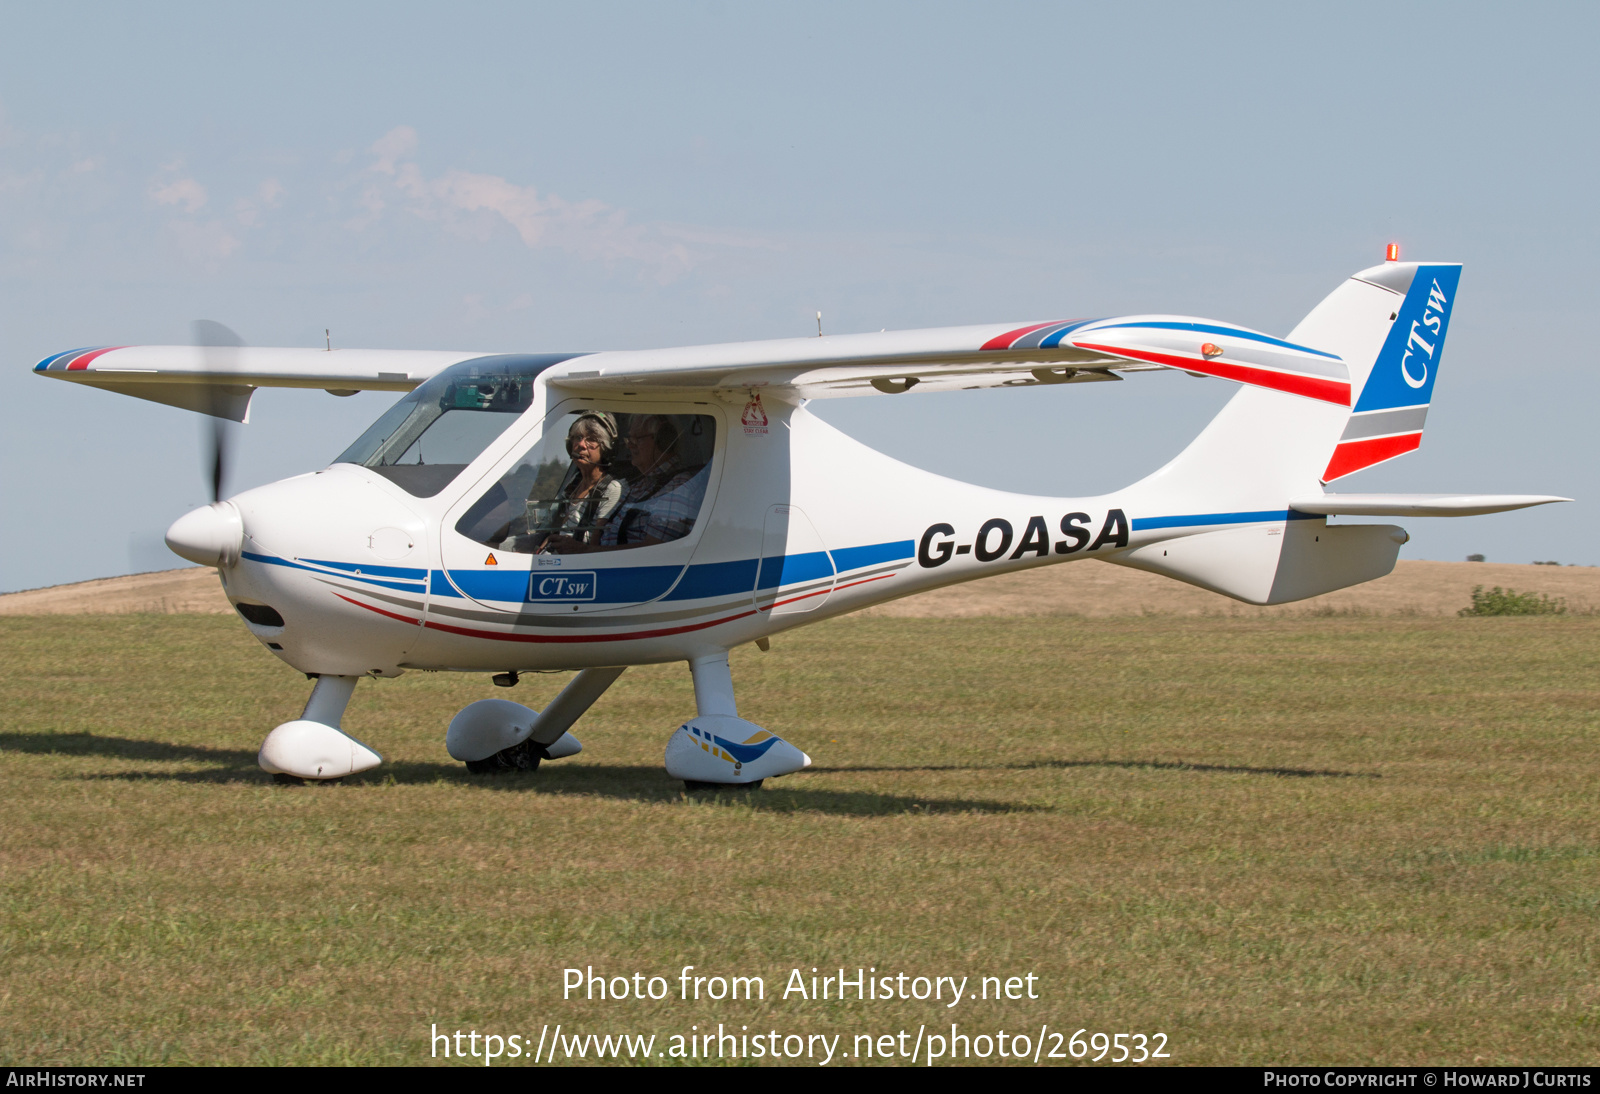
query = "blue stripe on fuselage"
x=710 y=579
x=617 y=585
x=780 y=570
x=1196 y=520
x=414 y=586
x=854 y=558
x=401 y=572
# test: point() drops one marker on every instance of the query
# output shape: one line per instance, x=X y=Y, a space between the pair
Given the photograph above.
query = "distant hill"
x=1415 y=588
x=193 y=590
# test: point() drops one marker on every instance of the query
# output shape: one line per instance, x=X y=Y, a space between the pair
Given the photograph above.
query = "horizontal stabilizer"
x=1417 y=505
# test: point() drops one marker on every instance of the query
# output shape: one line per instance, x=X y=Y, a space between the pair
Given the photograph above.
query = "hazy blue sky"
x=527 y=177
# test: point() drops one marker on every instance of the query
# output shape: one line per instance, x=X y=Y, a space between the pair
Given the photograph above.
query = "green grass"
x=1340 y=840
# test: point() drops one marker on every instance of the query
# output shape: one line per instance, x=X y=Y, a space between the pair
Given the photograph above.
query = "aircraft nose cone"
x=212 y=536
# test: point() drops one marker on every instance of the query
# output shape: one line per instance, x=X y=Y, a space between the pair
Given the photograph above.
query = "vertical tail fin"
x=1389 y=325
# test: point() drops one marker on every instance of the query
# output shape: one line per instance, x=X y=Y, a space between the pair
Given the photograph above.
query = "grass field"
x=1336 y=840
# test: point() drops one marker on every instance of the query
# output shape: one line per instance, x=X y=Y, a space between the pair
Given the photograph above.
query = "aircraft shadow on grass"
x=1133 y=765
x=630 y=783
x=122 y=748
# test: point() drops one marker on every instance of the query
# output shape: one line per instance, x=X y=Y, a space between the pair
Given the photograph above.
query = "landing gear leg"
x=313 y=747
x=717 y=749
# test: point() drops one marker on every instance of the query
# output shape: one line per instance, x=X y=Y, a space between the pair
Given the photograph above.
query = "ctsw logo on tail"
x=1393 y=406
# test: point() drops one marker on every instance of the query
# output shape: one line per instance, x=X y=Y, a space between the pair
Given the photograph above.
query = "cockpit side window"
x=427 y=438
x=599 y=481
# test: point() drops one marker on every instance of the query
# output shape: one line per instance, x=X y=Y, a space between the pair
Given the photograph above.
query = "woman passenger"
x=589 y=493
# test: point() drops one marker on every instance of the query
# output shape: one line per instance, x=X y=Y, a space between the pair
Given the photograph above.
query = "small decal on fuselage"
x=573 y=585
x=997 y=538
x=754 y=418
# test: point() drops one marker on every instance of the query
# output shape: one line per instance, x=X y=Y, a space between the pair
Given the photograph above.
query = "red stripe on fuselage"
x=823 y=592
x=1312 y=387
x=501 y=636
x=1352 y=456
x=380 y=611
x=82 y=361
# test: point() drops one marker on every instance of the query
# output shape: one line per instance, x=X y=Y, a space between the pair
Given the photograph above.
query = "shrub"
x=1474 y=558
x=1498 y=601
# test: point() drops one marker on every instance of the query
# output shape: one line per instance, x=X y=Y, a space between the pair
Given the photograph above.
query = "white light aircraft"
x=590 y=511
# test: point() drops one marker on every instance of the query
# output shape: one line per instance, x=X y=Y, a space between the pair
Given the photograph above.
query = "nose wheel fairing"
x=313 y=747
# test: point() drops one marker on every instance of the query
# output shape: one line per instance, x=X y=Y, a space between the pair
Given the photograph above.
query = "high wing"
x=888 y=362
x=184 y=376
x=965 y=358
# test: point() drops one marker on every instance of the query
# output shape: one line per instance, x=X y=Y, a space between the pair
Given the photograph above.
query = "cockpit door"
x=526 y=540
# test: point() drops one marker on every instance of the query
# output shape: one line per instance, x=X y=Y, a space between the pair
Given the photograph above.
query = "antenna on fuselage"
x=819 y=324
x=328 y=334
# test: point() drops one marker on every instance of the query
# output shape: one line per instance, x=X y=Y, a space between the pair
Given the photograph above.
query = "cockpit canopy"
x=427 y=438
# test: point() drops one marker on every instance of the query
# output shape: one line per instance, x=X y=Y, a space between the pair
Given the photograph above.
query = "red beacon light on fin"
x=1391 y=253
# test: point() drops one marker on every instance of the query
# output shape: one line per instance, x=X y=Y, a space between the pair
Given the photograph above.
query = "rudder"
x=1389 y=324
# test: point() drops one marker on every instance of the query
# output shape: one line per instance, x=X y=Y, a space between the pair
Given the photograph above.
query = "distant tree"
x=1474 y=558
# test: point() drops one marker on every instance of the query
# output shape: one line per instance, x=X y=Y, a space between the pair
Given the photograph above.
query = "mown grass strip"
x=1319 y=840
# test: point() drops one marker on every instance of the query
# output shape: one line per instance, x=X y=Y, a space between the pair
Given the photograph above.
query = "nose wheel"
x=280 y=779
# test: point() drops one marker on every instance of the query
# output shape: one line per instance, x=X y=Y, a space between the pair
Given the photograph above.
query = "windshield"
x=427 y=438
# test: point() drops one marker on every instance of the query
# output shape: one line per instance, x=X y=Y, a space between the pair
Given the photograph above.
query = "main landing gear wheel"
x=497 y=736
x=717 y=749
x=693 y=786
x=519 y=757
